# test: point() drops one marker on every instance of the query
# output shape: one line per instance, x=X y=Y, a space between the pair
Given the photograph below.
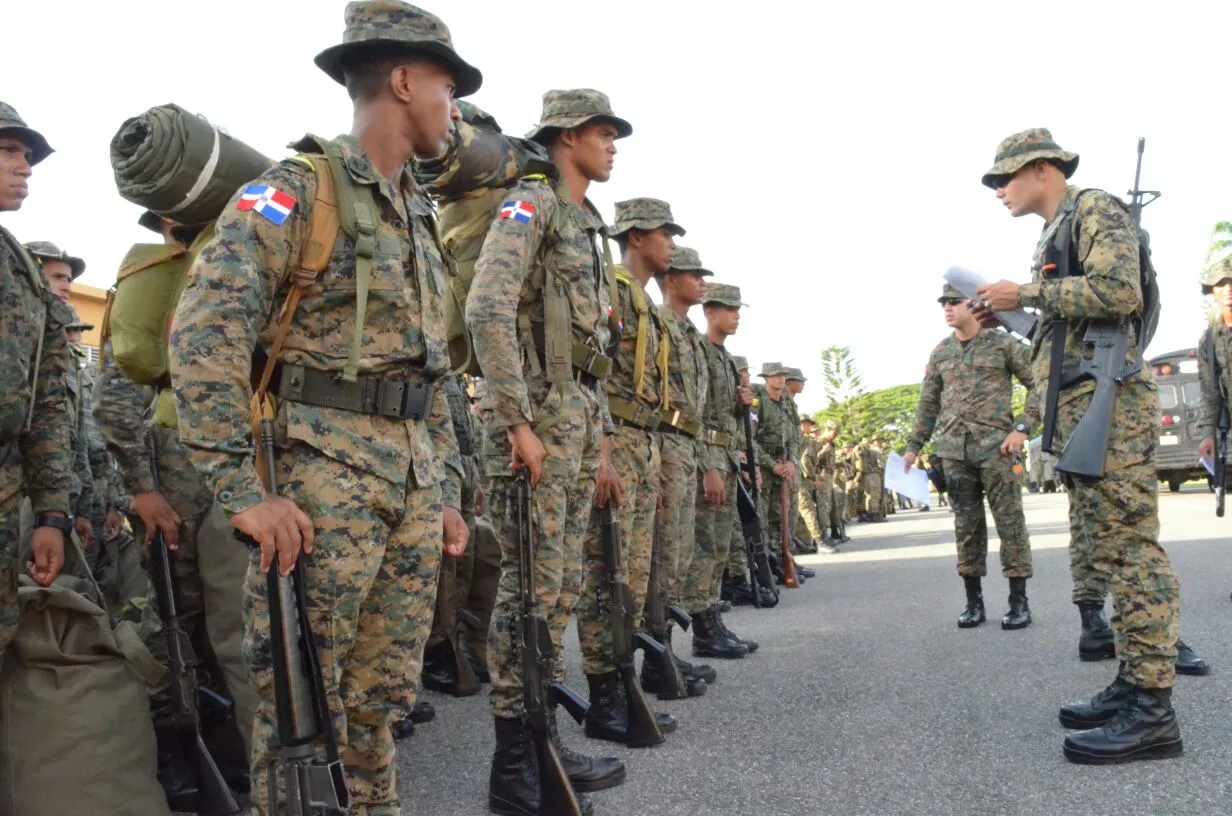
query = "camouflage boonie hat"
x=1019 y=150
x=796 y=374
x=644 y=214
x=685 y=259
x=723 y=294
x=773 y=370
x=11 y=124
x=950 y=293
x=391 y=22
x=47 y=251
x=742 y=363
x=77 y=322
x=563 y=110
x=1216 y=272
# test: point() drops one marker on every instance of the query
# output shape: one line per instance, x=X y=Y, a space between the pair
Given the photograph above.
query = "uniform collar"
x=363 y=171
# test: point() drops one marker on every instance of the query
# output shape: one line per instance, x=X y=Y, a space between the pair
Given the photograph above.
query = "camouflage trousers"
x=712 y=532
x=770 y=507
x=10 y=544
x=634 y=454
x=371 y=584
x=838 y=504
x=571 y=431
x=1114 y=537
x=969 y=483
x=870 y=493
x=676 y=518
x=808 y=525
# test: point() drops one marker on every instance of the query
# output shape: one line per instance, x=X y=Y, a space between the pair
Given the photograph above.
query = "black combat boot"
x=973 y=615
x=608 y=715
x=700 y=670
x=710 y=641
x=655 y=680
x=1144 y=728
x=178 y=781
x=1019 y=616
x=513 y=784
x=1188 y=662
x=1103 y=706
x=751 y=645
x=803 y=572
x=839 y=534
x=585 y=773
x=742 y=595
x=439 y=673
x=1097 y=642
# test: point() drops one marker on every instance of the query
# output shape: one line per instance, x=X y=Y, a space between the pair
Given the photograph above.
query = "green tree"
x=1221 y=242
x=888 y=413
x=840 y=378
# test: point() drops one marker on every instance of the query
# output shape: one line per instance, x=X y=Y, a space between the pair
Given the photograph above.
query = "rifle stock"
x=790 y=579
x=535 y=644
x=1106 y=343
x=760 y=575
x=214 y=796
x=467 y=683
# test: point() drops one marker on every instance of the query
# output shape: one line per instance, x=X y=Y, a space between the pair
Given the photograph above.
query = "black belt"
x=369 y=394
x=589 y=365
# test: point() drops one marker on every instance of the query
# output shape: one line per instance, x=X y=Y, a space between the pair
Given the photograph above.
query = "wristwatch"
x=62 y=523
x=1021 y=427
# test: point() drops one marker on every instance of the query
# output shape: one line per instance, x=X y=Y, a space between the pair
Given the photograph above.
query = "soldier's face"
x=723 y=319
x=744 y=378
x=60 y=276
x=1022 y=192
x=1223 y=293
x=689 y=288
x=656 y=247
x=431 y=109
x=795 y=386
x=956 y=313
x=775 y=383
x=15 y=169
x=75 y=335
x=594 y=150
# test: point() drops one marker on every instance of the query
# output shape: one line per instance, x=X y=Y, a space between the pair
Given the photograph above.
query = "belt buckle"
x=391 y=397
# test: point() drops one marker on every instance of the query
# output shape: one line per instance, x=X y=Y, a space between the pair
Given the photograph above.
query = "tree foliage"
x=840 y=378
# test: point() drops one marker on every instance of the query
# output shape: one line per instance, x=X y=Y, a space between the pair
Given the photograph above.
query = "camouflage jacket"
x=33 y=375
x=966 y=398
x=827 y=459
x=793 y=411
x=719 y=411
x=510 y=275
x=1108 y=286
x=809 y=449
x=774 y=432
x=1214 y=393
x=688 y=372
x=119 y=411
x=621 y=382
x=79 y=383
x=237 y=286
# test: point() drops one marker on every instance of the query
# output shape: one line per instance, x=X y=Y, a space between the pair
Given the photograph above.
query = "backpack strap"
x=557 y=312
x=31 y=268
x=638 y=297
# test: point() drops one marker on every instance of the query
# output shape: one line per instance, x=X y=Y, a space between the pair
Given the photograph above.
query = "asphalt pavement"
x=865 y=698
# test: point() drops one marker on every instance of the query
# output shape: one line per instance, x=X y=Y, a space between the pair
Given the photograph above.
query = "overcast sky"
x=823 y=156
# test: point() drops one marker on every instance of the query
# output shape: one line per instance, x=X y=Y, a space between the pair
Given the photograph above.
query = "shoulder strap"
x=31 y=269
x=638 y=297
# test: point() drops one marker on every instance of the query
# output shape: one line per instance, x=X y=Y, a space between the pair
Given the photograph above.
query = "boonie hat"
x=563 y=110
x=1019 y=150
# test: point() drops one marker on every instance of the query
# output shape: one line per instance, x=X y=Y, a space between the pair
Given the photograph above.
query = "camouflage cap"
x=723 y=294
x=742 y=363
x=569 y=109
x=47 y=251
x=644 y=214
x=392 y=22
x=796 y=374
x=1019 y=150
x=1216 y=272
x=77 y=322
x=950 y=293
x=807 y=420
x=773 y=370
x=685 y=259
x=11 y=124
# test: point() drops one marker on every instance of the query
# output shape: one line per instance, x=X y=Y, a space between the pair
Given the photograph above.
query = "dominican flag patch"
x=270 y=202
x=521 y=211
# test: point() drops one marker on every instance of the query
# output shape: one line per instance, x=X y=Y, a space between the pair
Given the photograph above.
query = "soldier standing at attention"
x=35 y=458
x=966 y=405
x=776 y=449
x=370 y=489
x=541 y=344
x=1114 y=520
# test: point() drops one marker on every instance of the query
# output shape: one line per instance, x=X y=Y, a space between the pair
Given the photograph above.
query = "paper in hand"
x=967 y=282
x=913 y=484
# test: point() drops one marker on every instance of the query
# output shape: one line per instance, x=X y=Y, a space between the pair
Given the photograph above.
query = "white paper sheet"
x=912 y=484
x=966 y=281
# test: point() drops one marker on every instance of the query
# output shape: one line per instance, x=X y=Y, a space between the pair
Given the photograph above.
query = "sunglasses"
x=953 y=302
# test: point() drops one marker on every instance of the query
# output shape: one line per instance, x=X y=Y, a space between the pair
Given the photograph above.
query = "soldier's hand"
x=156 y=514
x=528 y=451
x=481 y=501
x=47 y=547
x=1207 y=449
x=277 y=525
x=1001 y=296
x=712 y=485
x=609 y=487
x=1013 y=443
x=456 y=533
x=744 y=396
x=85 y=532
x=908 y=461
x=114 y=524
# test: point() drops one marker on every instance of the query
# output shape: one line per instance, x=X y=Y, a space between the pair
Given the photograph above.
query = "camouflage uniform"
x=35 y=458
x=1114 y=522
x=793 y=413
x=737 y=554
x=827 y=503
x=683 y=454
x=1216 y=341
x=374 y=485
x=569 y=415
x=967 y=389
x=775 y=442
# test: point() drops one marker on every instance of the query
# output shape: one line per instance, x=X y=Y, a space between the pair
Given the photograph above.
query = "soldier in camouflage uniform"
x=369 y=488
x=965 y=407
x=1115 y=519
x=832 y=500
x=718 y=465
x=544 y=413
x=737 y=561
x=35 y=458
x=776 y=449
x=804 y=501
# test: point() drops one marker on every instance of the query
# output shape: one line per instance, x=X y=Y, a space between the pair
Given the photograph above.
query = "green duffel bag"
x=75 y=729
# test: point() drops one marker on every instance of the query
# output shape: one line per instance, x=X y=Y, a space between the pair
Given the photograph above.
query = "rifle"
x=643 y=731
x=790 y=579
x=213 y=794
x=1220 y=469
x=467 y=683
x=299 y=689
x=760 y=574
x=658 y=611
x=556 y=794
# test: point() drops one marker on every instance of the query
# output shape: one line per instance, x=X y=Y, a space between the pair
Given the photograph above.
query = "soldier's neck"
x=715 y=336
x=675 y=303
x=774 y=395
x=1225 y=314
x=966 y=332
x=637 y=267
x=575 y=181
x=1051 y=202
x=372 y=131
